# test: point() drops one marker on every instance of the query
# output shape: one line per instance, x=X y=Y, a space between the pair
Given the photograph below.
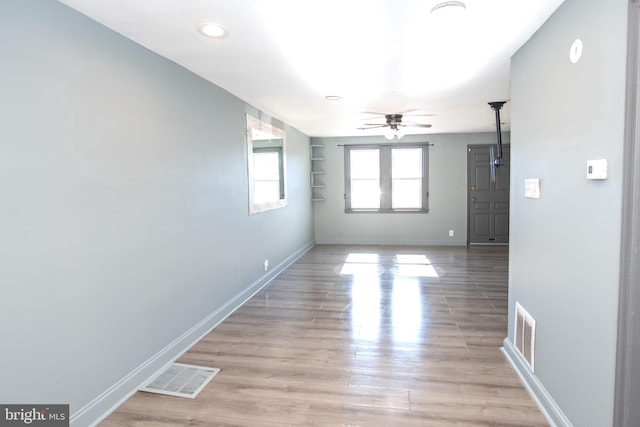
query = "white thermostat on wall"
x=597 y=169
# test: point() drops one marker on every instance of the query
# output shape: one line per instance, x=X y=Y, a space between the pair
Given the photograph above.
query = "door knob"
x=472 y=187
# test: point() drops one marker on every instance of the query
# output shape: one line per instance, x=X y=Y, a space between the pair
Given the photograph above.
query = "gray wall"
x=124 y=218
x=447 y=200
x=565 y=246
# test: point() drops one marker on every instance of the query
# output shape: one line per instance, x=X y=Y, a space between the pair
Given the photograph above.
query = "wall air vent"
x=524 y=336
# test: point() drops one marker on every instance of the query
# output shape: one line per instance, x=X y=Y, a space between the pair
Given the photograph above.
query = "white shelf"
x=318 y=188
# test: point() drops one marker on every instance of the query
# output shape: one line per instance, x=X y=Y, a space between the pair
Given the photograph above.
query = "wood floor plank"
x=411 y=340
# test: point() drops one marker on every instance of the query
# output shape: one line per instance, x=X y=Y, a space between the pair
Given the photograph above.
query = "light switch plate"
x=597 y=169
x=532 y=188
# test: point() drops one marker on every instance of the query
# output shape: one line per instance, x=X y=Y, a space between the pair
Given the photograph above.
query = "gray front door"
x=487 y=199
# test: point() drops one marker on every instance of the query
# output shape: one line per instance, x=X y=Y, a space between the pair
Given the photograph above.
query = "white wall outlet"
x=265 y=264
x=451 y=233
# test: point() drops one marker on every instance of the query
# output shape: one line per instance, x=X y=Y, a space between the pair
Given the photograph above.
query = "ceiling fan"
x=395 y=126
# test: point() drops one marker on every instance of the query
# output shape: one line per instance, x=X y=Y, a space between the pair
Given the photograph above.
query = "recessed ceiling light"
x=449 y=7
x=213 y=30
x=333 y=98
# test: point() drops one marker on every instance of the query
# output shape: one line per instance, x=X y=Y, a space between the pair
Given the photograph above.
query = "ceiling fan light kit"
x=389 y=134
x=392 y=134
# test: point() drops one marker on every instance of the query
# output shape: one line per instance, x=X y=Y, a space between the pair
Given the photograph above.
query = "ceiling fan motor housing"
x=393 y=120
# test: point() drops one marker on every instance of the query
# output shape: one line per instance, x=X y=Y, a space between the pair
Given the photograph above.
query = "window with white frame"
x=386 y=178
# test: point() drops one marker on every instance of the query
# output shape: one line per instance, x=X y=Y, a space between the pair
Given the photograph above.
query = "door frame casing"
x=626 y=410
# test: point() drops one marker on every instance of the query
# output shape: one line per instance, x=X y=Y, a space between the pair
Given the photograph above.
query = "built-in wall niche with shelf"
x=318 y=186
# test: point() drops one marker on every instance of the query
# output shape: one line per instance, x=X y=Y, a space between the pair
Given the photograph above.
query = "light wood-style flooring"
x=359 y=336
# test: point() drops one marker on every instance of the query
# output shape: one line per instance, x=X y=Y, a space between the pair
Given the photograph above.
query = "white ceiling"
x=387 y=56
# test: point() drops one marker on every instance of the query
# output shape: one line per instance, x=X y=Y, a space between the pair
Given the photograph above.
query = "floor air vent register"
x=180 y=380
x=524 y=336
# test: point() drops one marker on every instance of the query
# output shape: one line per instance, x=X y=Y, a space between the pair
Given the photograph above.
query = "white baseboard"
x=540 y=395
x=385 y=242
x=98 y=409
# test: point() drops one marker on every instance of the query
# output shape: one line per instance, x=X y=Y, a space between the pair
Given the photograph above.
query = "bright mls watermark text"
x=34 y=415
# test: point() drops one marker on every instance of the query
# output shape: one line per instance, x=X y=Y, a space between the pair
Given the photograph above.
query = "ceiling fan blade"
x=416 y=114
x=372 y=127
x=419 y=115
x=418 y=125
